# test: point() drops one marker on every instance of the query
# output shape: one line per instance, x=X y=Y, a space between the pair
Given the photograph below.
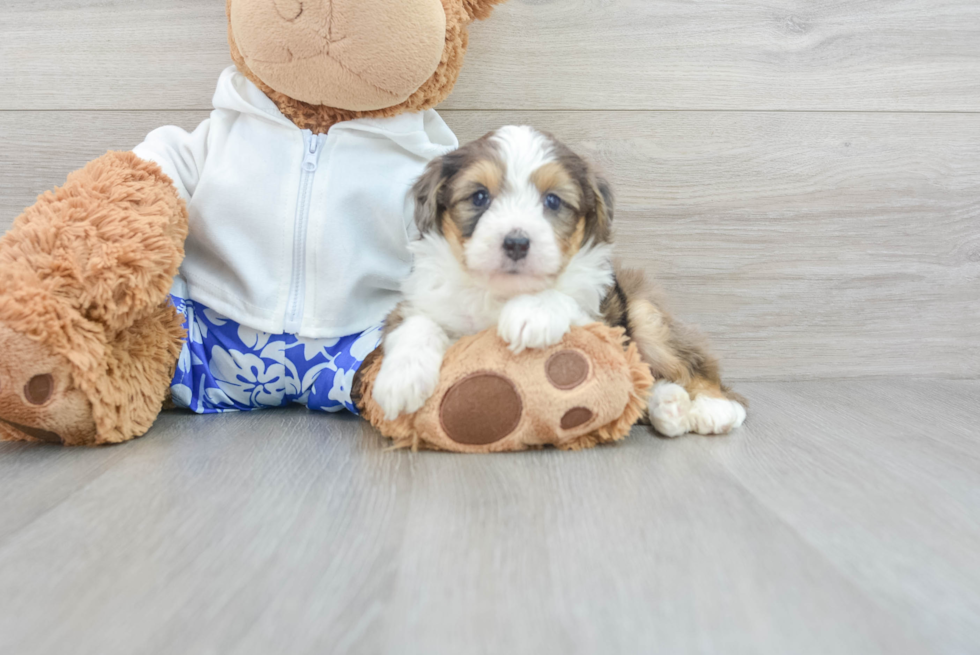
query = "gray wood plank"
x=58 y=471
x=806 y=245
x=120 y=54
x=927 y=469
x=842 y=518
x=39 y=149
x=620 y=54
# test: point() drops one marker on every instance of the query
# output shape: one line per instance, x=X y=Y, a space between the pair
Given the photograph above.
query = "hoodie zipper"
x=313 y=146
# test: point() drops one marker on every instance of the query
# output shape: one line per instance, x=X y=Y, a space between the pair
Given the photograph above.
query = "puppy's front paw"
x=405 y=382
x=532 y=322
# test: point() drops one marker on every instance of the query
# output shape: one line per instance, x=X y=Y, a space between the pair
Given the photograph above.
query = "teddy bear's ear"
x=480 y=9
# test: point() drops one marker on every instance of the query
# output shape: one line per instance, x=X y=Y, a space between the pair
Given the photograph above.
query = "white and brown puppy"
x=516 y=234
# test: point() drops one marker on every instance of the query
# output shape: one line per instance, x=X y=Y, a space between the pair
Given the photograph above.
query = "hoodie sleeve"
x=180 y=154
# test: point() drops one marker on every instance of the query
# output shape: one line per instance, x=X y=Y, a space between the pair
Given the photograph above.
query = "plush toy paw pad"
x=481 y=409
x=39 y=388
x=576 y=417
x=567 y=369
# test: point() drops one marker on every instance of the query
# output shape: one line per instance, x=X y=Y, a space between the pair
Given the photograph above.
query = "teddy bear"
x=251 y=262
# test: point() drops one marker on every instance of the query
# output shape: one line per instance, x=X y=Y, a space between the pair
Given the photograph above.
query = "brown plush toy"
x=89 y=335
x=582 y=392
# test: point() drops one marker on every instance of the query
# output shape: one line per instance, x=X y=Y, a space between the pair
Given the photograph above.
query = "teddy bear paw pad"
x=481 y=409
x=567 y=369
x=576 y=417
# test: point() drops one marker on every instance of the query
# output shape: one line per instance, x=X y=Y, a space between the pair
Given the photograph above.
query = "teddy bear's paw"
x=670 y=407
x=710 y=416
x=406 y=381
x=38 y=401
x=585 y=391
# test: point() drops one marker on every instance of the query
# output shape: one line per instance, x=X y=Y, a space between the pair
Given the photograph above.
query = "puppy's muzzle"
x=516 y=245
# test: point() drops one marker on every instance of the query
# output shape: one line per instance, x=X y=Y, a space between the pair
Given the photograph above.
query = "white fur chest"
x=440 y=289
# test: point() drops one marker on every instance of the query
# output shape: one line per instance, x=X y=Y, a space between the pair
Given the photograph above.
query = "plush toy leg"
x=88 y=340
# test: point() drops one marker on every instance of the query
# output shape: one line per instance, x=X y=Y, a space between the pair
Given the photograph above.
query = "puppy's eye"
x=481 y=198
x=552 y=202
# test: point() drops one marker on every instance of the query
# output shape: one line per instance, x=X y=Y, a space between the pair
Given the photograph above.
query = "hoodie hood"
x=423 y=134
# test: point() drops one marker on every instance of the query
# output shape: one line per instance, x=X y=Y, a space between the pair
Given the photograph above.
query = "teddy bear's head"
x=326 y=61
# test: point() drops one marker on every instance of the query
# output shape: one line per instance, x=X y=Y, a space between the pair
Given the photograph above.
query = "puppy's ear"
x=599 y=225
x=480 y=9
x=426 y=194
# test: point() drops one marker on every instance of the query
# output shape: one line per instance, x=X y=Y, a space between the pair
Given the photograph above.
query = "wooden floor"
x=841 y=519
x=802 y=177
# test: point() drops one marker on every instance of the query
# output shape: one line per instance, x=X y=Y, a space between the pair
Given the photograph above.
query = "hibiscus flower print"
x=225 y=366
x=248 y=379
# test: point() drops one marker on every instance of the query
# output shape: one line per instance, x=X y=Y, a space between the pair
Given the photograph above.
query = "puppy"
x=516 y=233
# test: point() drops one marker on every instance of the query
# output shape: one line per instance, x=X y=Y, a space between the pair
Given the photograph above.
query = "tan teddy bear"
x=290 y=204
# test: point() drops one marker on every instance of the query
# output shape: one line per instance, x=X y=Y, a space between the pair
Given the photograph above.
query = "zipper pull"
x=312 y=155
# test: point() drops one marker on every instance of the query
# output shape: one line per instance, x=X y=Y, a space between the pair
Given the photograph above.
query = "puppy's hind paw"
x=670 y=407
x=716 y=415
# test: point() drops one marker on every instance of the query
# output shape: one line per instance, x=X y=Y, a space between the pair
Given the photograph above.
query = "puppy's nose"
x=516 y=245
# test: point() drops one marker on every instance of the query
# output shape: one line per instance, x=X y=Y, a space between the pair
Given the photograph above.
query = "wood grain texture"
x=841 y=519
x=806 y=245
x=910 y=55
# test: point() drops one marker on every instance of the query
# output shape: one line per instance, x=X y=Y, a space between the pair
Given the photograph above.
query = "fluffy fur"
x=516 y=234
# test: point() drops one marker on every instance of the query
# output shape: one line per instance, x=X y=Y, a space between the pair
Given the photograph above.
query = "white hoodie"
x=293 y=232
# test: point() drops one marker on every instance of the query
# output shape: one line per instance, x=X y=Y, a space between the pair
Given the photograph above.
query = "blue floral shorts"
x=227 y=367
